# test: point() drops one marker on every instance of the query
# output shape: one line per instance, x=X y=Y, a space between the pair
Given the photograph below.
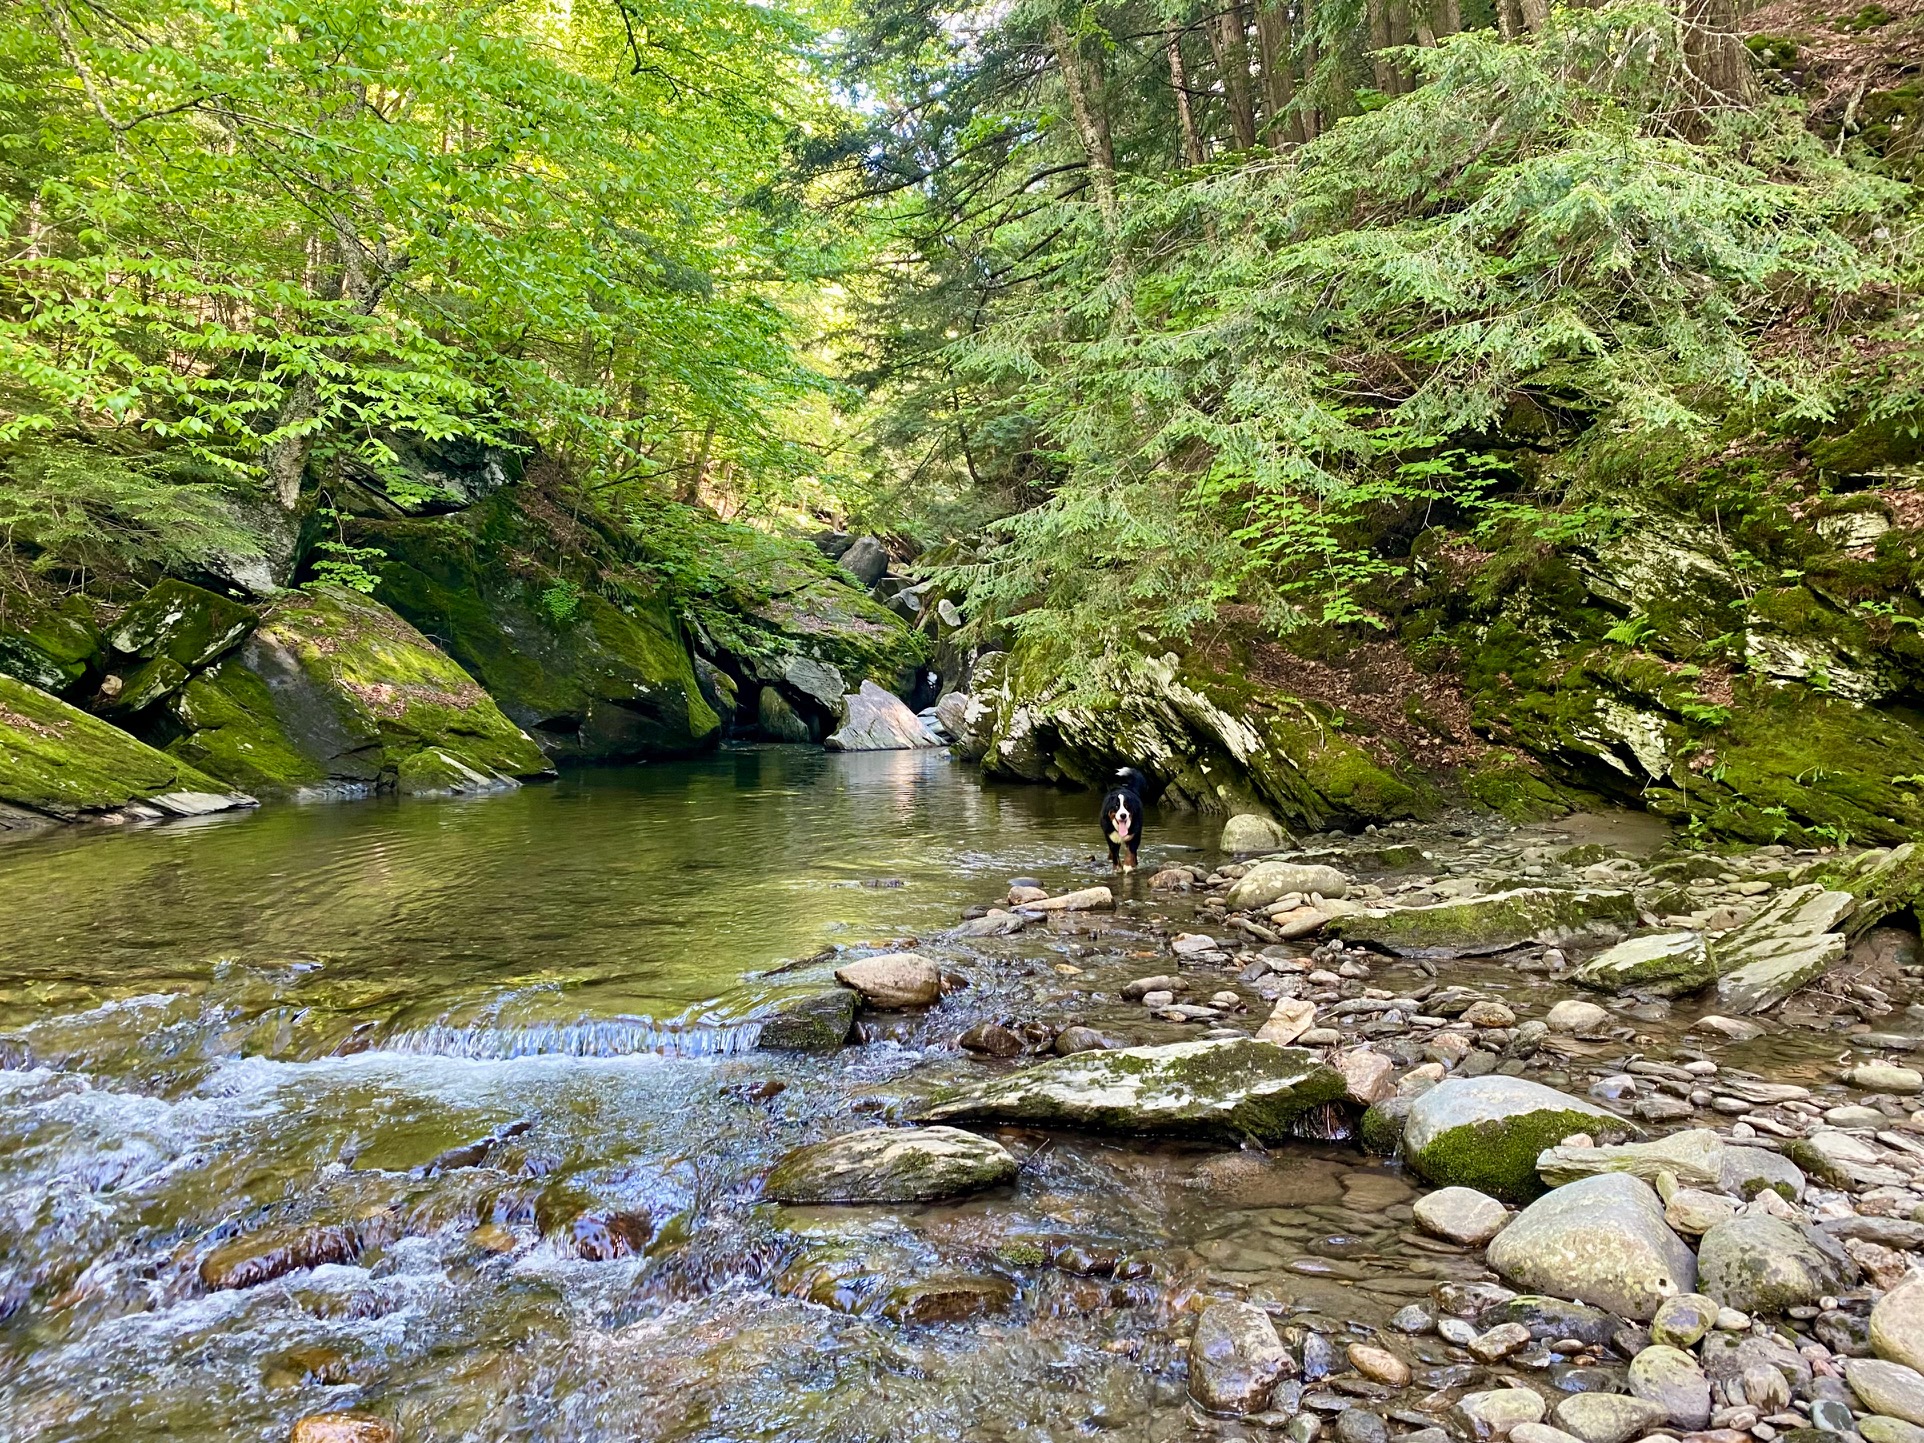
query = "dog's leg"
x=1129 y=857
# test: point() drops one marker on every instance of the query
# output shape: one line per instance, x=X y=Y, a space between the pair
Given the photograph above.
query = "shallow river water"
x=283 y=1035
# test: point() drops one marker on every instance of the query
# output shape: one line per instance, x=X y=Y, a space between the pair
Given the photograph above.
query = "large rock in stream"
x=1493 y=922
x=1487 y=1132
x=57 y=763
x=1663 y=964
x=335 y=693
x=1795 y=938
x=890 y=1165
x=878 y=721
x=1230 y=1088
x=1601 y=1240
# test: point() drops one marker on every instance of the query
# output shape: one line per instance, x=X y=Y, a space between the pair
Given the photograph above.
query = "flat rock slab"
x=1487 y=1132
x=1231 y=1087
x=890 y=1165
x=1788 y=943
x=1601 y=1240
x=1664 y=964
x=1494 y=922
x=1695 y=1157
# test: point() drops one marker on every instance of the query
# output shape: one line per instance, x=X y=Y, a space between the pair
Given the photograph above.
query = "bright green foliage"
x=1256 y=371
x=263 y=236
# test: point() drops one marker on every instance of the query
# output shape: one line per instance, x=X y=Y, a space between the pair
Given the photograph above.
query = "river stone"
x=1493 y=1414
x=890 y=1165
x=1694 y=1157
x=778 y=719
x=1367 y=1074
x=866 y=559
x=952 y=1298
x=878 y=721
x=1749 y=1170
x=1788 y=943
x=1268 y=882
x=1462 y=1215
x=1089 y=899
x=1249 y=832
x=1608 y=1417
x=1600 y=1240
x=1487 y=1132
x=1897 y=1324
x=1231 y=1087
x=1764 y=1265
x=1663 y=964
x=1886 y=1077
x=1878 y=1429
x=814 y=1022
x=1494 y=922
x=895 y=979
x=1290 y=1019
x=1681 y=1321
x=1672 y=1379
x=1235 y=1358
x=1573 y=1015
x=343 y=1428
x=1550 y=1319
x=1694 y=1212
x=1888 y=1388
x=1379 y=1364
x=1541 y=1433
x=1359 y=1425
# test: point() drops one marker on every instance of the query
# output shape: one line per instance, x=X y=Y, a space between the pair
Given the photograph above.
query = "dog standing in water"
x=1122 y=818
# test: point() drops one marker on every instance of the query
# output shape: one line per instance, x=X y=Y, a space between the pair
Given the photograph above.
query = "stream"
x=482 y=1073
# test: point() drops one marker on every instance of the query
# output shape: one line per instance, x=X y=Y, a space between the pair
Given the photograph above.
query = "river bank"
x=289 y=1178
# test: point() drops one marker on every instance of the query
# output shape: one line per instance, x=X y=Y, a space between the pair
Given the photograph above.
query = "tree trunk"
x=1229 y=40
x=1715 y=58
x=1535 y=13
x=1083 y=81
x=1277 y=43
x=1382 y=73
x=1192 y=146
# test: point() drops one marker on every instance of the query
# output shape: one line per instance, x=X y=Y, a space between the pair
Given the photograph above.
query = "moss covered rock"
x=58 y=762
x=333 y=692
x=51 y=643
x=890 y=1165
x=169 y=634
x=1491 y=923
x=1229 y=1088
x=590 y=678
x=1662 y=964
x=1487 y=1132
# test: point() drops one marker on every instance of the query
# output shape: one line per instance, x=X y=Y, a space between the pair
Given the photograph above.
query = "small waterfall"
x=590 y=1037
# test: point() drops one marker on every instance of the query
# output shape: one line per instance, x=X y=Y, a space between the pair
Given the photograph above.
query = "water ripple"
x=599 y=1037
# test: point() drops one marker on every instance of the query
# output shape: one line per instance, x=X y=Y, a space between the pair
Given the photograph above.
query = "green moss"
x=57 y=760
x=1381 y=1130
x=1513 y=789
x=231 y=729
x=50 y=643
x=1499 y=1155
x=1490 y=923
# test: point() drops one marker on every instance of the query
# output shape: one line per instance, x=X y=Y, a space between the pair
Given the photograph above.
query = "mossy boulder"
x=1795 y=938
x=48 y=643
x=1487 y=1132
x=333 y=692
x=817 y=1021
x=1229 y=1088
x=591 y=677
x=1494 y=922
x=58 y=762
x=1662 y=964
x=165 y=637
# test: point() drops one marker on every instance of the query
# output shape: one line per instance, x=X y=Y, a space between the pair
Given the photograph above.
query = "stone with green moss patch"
x=1662 y=964
x=1490 y=923
x=1487 y=1132
x=50 y=644
x=56 y=761
x=1794 y=939
x=1229 y=1088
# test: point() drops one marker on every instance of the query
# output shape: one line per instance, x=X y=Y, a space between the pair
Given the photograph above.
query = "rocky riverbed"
x=1370 y=1138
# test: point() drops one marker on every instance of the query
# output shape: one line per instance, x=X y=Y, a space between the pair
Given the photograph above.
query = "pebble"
x=343 y=1428
x=1500 y=1342
x=1359 y=1425
x=1496 y=1412
x=1379 y=1365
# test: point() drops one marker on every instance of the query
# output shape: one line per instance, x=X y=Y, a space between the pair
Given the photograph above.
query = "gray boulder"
x=1672 y=1379
x=866 y=559
x=1663 y=964
x=895 y=979
x=1235 y=1358
x=1494 y=922
x=1887 y=1388
x=1266 y=882
x=1607 y=1417
x=1248 y=832
x=1765 y=1265
x=1225 y=1087
x=890 y=1165
x=1487 y=1132
x=878 y=721
x=1601 y=1240
x=1897 y=1323
x=778 y=720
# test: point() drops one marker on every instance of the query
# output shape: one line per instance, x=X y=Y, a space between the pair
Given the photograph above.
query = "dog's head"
x=1128 y=779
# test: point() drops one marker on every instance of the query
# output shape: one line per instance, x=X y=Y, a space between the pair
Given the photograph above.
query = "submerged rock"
x=889 y=1165
x=1491 y=923
x=1226 y=1087
x=895 y=979
x=260 y=1257
x=1487 y=1132
x=59 y=763
x=815 y=1022
x=343 y=1428
x=1601 y=1240
x=878 y=721
x=1235 y=1358
x=948 y=1299
x=1663 y=964
x=1789 y=942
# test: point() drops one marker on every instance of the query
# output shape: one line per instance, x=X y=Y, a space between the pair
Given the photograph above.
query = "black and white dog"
x=1122 y=817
